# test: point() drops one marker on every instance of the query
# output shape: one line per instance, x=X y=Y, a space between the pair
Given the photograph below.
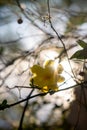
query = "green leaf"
x=3 y=105
x=82 y=43
x=5 y=1
x=81 y=54
x=1 y=50
x=4 y=102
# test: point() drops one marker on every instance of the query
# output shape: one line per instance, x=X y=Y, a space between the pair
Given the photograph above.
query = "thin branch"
x=41 y=94
x=21 y=101
x=24 y=110
x=26 y=14
x=58 y=36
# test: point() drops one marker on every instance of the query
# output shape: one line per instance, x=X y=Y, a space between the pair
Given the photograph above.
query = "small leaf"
x=82 y=43
x=3 y=105
x=4 y=102
x=81 y=54
x=1 y=50
x=6 y=1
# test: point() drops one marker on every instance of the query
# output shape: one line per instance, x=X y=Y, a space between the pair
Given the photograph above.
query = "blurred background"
x=27 y=38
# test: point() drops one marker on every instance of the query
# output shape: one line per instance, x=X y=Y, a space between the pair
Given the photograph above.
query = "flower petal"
x=45 y=89
x=60 y=79
x=38 y=81
x=49 y=63
x=54 y=87
x=37 y=69
x=59 y=69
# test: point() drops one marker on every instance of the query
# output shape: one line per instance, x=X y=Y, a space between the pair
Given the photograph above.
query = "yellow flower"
x=47 y=77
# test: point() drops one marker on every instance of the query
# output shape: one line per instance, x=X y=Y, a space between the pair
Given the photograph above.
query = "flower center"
x=47 y=77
